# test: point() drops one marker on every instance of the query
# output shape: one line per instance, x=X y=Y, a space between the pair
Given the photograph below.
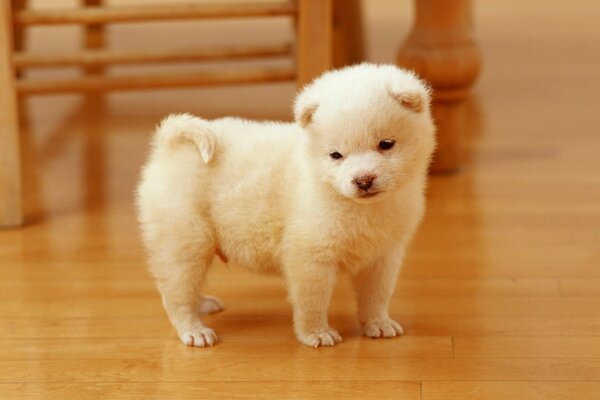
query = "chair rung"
x=153 y=81
x=106 y=57
x=111 y=14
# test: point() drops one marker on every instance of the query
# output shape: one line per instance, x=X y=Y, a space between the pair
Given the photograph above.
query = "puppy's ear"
x=206 y=145
x=304 y=115
x=305 y=106
x=412 y=99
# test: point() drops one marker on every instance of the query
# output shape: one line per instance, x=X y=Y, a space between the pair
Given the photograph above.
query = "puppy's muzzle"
x=364 y=182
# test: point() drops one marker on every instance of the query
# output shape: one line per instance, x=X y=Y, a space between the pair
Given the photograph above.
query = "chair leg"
x=94 y=37
x=19 y=31
x=442 y=50
x=315 y=39
x=11 y=211
x=348 y=47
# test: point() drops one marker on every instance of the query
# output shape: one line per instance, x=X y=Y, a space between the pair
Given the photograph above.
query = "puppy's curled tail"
x=180 y=129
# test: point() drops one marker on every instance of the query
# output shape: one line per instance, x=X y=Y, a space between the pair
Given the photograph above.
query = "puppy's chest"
x=356 y=245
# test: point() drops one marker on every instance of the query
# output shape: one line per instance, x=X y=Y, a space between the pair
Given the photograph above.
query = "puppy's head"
x=369 y=127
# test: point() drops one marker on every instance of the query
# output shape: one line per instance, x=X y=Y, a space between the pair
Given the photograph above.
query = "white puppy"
x=340 y=190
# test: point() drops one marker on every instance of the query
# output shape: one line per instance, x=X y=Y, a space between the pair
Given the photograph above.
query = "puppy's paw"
x=327 y=337
x=198 y=336
x=385 y=327
x=210 y=304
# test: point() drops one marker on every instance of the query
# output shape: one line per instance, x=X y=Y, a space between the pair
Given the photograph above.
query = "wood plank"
x=255 y=328
x=241 y=283
x=580 y=287
x=266 y=346
x=529 y=346
x=510 y=389
x=18 y=259
x=230 y=390
x=250 y=303
x=156 y=12
x=104 y=57
x=484 y=287
x=130 y=256
x=138 y=82
x=503 y=325
x=30 y=267
x=296 y=369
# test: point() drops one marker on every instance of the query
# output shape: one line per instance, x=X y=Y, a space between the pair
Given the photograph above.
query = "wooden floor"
x=499 y=297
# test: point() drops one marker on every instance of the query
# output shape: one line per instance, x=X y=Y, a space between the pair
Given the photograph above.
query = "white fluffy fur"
x=268 y=196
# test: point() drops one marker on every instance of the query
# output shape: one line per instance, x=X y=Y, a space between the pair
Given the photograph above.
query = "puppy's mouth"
x=368 y=195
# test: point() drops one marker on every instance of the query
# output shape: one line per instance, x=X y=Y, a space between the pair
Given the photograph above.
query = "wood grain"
x=441 y=48
x=275 y=368
x=273 y=303
x=147 y=81
x=254 y=327
x=314 y=52
x=101 y=57
x=231 y=345
x=527 y=346
x=510 y=389
x=214 y=390
x=105 y=14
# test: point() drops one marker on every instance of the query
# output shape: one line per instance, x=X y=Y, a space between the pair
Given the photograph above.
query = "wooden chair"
x=440 y=48
x=312 y=51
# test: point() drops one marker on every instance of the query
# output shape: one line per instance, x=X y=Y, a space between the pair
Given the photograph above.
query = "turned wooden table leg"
x=314 y=53
x=441 y=49
x=11 y=211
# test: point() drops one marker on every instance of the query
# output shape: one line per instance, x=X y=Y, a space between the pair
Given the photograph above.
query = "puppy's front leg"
x=374 y=286
x=310 y=287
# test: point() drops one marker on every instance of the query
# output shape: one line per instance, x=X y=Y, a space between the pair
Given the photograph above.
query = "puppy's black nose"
x=364 y=182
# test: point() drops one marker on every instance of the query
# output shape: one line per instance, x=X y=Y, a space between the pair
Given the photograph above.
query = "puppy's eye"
x=336 y=155
x=386 y=144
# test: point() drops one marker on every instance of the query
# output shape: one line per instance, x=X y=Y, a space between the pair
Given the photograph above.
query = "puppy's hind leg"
x=176 y=233
x=179 y=260
x=210 y=305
